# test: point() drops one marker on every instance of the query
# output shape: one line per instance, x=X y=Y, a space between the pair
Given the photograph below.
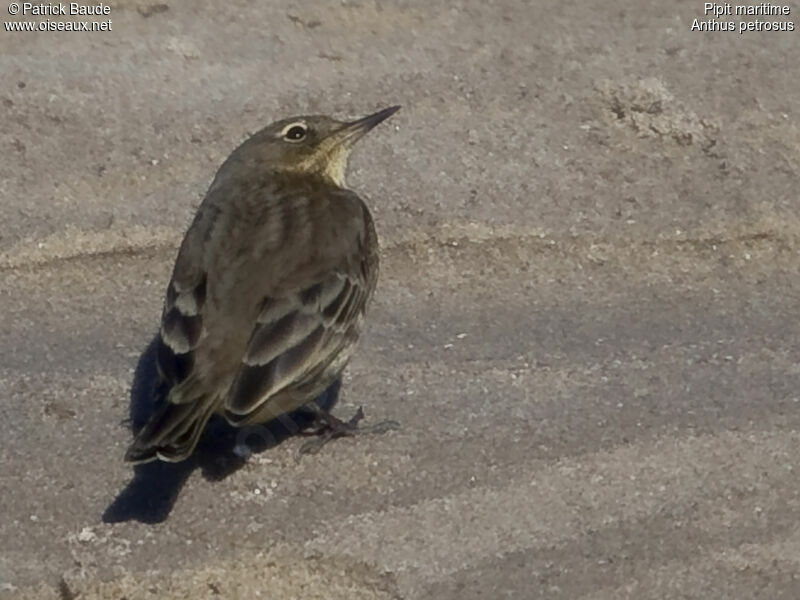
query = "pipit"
x=269 y=290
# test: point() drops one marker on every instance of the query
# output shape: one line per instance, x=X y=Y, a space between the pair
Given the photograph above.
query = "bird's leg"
x=330 y=427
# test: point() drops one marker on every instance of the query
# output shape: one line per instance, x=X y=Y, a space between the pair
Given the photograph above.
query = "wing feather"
x=288 y=353
x=181 y=329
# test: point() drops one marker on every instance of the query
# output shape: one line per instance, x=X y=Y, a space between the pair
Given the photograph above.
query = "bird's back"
x=300 y=244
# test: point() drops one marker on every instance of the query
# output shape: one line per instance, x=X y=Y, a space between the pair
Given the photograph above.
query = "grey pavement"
x=586 y=319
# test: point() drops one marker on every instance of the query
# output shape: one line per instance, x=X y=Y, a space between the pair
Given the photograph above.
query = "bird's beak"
x=333 y=150
x=355 y=130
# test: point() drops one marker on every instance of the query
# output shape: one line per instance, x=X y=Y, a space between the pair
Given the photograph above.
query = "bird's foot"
x=330 y=427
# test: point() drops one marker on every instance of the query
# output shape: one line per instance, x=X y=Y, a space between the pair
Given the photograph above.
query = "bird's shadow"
x=223 y=449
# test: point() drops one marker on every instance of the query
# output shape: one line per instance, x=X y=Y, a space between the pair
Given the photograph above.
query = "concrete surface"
x=586 y=322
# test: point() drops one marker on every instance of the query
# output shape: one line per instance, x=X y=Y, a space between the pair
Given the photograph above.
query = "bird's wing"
x=182 y=318
x=303 y=333
x=173 y=429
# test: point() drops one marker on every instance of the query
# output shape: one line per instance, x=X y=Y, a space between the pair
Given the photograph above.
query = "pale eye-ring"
x=294 y=132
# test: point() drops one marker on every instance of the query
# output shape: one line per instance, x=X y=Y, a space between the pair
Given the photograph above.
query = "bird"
x=269 y=290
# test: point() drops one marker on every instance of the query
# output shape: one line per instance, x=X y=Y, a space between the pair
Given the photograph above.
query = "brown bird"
x=269 y=290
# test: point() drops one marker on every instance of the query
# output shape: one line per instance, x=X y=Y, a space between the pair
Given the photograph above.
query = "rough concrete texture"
x=586 y=322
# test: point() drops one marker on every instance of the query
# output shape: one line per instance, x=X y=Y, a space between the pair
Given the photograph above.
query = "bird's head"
x=314 y=145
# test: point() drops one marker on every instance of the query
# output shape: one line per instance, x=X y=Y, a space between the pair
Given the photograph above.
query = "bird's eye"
x=294 y=132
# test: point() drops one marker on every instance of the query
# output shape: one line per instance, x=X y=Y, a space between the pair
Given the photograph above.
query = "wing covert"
x=295 y=339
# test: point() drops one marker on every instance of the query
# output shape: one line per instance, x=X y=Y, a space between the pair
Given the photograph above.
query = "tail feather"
x=172 y=432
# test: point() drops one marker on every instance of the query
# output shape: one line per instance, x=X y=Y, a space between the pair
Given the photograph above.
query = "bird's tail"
x=172 y=432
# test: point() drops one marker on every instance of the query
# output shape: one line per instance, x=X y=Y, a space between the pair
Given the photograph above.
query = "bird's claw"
x=333 y=428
